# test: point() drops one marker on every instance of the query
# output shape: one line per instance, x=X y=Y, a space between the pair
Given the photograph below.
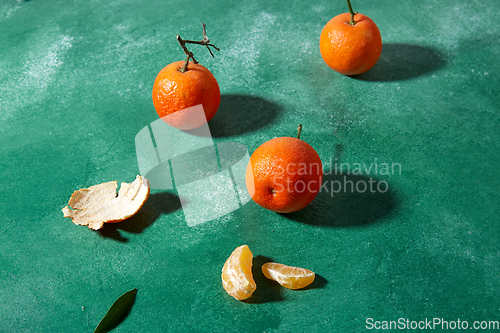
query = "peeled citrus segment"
x=237 y=278
x=288 y=276
x=100 y=204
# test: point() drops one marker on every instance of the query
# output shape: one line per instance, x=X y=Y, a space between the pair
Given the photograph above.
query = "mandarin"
x=284 y=174
x=288 y=276
x=350 y=43
x=176 y=93
x=237 y=278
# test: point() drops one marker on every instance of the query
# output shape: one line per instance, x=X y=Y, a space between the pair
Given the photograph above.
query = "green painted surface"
x=75 y=89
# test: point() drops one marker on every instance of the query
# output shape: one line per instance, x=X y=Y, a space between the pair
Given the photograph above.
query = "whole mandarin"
x=350 y=49
x=175 y=93
x=284 y=175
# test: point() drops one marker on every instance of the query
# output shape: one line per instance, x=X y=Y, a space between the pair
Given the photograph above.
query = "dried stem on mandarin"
x=205 y=41
x=352 y=22
x=299 y=131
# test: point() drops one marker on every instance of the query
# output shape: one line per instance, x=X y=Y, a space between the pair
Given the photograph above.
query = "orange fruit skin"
x=237 y=278
x=284 y=175
x=174 y=91
x=288 y=276
x=350 y=49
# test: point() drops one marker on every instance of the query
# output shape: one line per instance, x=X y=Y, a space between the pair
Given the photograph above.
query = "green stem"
x=351 y=22
x=299 y=131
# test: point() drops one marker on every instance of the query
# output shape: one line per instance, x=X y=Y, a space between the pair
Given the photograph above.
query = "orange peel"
x=100 y=204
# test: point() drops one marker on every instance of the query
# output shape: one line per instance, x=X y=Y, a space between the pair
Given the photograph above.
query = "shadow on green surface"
x=267 y=290
x=348 y=200
x=156 y=205
x=318 y=283
x=271 y=291
x=403 y=62
x=239 y=114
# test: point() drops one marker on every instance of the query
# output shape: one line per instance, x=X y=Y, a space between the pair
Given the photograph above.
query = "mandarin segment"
x=288 y=276
x=237 y=278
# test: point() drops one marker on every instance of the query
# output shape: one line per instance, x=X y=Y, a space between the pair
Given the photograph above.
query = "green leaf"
x=117 y=312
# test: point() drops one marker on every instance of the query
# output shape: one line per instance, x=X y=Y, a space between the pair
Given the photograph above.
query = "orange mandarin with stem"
x=350 y=43
x=183 y=88
x=284 y=174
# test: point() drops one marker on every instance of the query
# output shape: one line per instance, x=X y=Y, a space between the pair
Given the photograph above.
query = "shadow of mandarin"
x=267 y=290
x=400 y=61
x=240 y=114
x=319 y=283
x=348 y=200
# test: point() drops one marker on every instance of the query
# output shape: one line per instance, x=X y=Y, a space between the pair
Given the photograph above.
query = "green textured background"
x=75 y=88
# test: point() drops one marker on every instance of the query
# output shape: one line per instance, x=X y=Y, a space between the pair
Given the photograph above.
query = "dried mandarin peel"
x=100 y=204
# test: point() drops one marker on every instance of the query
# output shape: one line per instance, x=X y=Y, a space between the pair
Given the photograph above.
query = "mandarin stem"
x=205 y=41
x=189 y=55
x=351 y=22
x=299 y=131
x=185 y=67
